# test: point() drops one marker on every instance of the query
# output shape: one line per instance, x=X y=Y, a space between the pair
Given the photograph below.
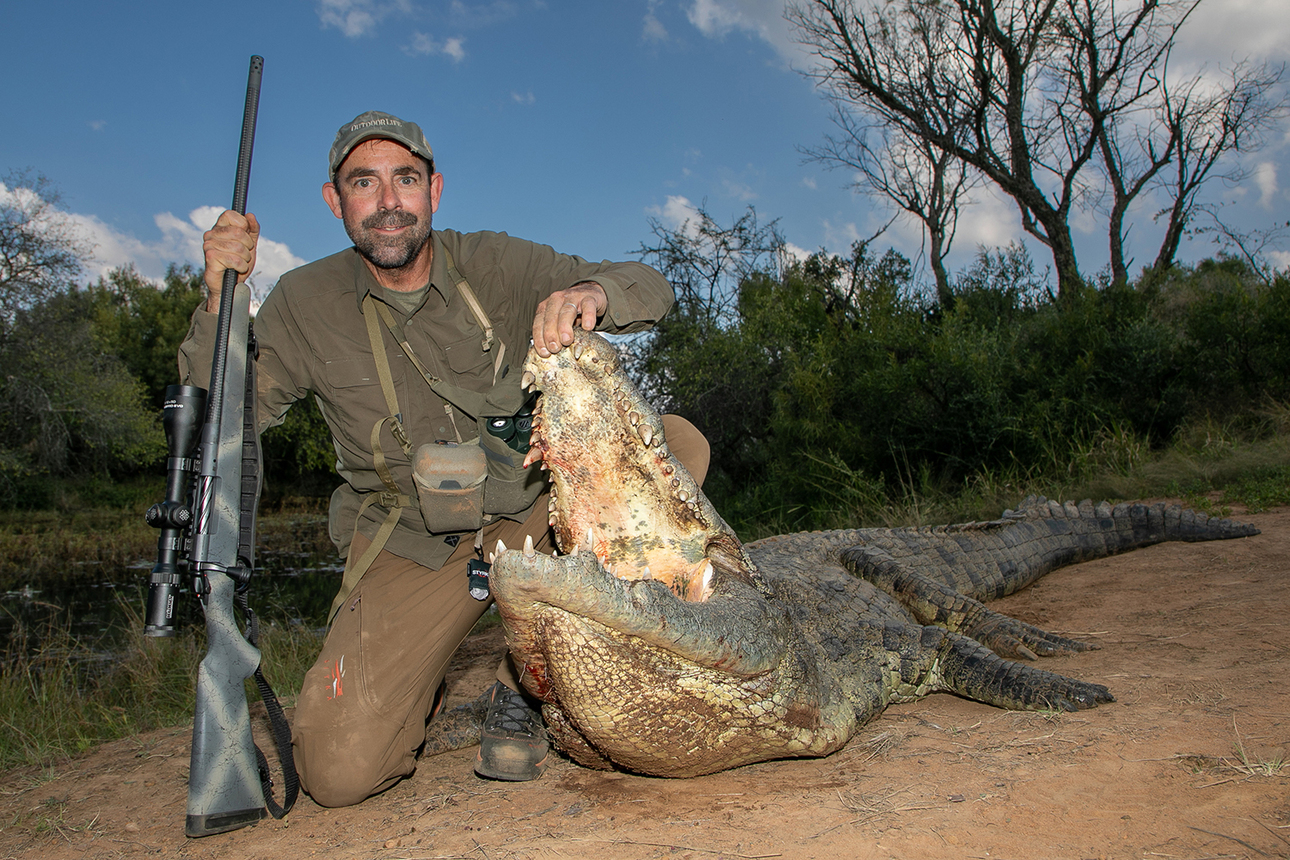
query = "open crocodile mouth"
x=617 y=490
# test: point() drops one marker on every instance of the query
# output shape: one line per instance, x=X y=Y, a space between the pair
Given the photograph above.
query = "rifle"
x=228 y=782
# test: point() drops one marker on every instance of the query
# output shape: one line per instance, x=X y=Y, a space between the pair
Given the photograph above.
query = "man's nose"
x=390 y=196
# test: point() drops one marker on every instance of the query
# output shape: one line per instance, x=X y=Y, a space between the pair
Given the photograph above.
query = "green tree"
x=143 y=324
x=67 y=403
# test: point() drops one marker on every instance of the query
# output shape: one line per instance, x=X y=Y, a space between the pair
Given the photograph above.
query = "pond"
x=96 y=602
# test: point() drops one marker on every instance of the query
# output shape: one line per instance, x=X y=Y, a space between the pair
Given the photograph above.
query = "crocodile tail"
x=1129 y=525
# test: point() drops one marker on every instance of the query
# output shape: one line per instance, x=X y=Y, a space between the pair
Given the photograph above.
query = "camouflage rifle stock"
x=228 y=782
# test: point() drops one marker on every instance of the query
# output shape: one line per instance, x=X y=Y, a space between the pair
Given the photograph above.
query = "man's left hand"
x=559 y=312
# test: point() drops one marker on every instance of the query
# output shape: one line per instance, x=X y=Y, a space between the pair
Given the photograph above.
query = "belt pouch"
x=450 y=485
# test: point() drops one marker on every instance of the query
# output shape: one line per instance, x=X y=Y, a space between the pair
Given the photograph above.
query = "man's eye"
x=362 y=183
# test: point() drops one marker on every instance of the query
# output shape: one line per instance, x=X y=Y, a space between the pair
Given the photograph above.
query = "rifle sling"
x=250 y=497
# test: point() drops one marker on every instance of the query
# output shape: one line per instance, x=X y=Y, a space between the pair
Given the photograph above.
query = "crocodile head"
x=649 y=635
x=617 y=491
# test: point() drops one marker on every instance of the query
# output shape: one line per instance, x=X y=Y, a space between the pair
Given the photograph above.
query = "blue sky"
x=570 y=123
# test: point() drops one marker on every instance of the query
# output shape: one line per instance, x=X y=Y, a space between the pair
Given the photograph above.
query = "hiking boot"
x=513 y=744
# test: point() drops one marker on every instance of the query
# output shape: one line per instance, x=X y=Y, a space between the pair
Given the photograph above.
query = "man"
x=411 y=341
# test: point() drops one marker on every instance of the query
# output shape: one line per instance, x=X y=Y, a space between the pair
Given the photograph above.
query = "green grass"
x=70 y=696
x=1209 y=466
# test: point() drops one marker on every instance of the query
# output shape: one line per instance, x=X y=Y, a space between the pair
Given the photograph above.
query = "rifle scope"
x=182 y=418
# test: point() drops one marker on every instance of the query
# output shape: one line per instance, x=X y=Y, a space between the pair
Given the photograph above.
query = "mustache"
x=394 y=218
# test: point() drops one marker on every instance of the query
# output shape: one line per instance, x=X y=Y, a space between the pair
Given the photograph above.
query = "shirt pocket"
x=471 y=367
x=353 y=403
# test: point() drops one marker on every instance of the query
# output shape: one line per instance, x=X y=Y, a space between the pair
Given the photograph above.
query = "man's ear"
x=436 y=190
x=332 y=196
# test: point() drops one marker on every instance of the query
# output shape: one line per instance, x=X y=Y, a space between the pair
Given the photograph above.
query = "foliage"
x=143 y=323
x=837 y=387
x=66 y=403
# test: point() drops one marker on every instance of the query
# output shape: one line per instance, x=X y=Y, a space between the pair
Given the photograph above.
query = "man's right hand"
x=230 y=244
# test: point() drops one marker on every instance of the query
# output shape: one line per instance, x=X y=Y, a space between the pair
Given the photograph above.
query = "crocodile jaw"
x=617 y=490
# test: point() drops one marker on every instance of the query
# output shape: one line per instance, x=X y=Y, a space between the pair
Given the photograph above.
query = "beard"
x=389 y=252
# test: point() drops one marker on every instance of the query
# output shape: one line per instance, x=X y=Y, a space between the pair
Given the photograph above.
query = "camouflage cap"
x=372 y=124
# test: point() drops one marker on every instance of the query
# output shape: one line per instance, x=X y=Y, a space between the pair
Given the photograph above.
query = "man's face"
x=386 y=197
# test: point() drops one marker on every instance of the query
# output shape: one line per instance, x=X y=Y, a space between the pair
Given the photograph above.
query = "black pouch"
x=511 y=488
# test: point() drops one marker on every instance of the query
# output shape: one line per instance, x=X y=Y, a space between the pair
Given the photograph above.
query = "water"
x=93 y=602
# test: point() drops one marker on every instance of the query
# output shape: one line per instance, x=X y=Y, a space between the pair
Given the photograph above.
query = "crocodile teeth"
x=647 y=434
x=527 y=380
x=529 y=552
x=645 y=574
x=705 y=582
x=683 y=495
x=578 y=350
x=635 y=418
x=501 y=548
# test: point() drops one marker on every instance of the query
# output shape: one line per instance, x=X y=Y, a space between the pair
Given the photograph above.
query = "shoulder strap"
x=463 y=287
x=472 y=302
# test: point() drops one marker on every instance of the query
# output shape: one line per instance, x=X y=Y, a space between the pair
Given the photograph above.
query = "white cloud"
x=423 y=45
x=1224 y=31
x=180 y=242
x=1265 y=176
x=796 y=252
x=741 y=191
x=653 y=29
x=356 y=18
x=763 y=19
x=840 y=235
x=525 y=98
x=455 y=48
x=676 y=213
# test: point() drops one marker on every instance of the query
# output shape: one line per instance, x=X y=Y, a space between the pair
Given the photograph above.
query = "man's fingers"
x=230 y=244
x=558 y=313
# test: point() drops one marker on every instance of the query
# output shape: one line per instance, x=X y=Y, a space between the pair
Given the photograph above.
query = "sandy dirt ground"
x=1186 y=764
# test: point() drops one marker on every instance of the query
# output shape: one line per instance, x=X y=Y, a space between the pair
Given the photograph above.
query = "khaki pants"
x=362 y=711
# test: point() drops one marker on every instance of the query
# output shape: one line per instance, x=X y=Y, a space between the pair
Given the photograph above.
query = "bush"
x=841 y=367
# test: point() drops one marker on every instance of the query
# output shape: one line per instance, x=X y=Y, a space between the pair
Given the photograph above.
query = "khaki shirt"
x=313 y=338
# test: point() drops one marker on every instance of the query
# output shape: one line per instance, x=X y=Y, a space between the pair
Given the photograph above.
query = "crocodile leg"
x=965 y=667
x=933 y=602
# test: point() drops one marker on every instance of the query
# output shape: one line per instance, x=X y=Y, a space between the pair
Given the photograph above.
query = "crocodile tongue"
x=617 y=490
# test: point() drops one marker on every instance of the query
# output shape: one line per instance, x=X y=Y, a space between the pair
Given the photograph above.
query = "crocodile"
x=660 y=644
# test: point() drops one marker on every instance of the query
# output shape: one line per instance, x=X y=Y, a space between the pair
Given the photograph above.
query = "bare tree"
x=40 y=251
x=1205 y=123
x=1059 y=103
x=706 y=262
x=925 y=182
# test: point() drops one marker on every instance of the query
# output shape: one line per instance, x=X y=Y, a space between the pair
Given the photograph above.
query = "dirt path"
x=1196 y=646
